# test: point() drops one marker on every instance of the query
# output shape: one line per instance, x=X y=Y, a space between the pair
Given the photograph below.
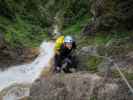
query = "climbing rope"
x=124 y=78
x=120 y=72
x=118 y=69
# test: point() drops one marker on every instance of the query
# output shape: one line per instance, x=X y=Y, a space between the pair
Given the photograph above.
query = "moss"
x=129 y=76
x=102 y=39
x=93 y=98
x=116 y=74
x=76 y=28
x=93 y=62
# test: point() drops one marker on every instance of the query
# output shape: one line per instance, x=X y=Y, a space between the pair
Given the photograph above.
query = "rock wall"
x=110 y=15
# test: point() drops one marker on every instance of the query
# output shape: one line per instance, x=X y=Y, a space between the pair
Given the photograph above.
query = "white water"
x=56 y=29
x=27 y=73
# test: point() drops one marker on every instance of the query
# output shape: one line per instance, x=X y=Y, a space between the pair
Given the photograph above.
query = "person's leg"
x=57 y=63
x=74 y=61
x=67 y=64
x=71 y=64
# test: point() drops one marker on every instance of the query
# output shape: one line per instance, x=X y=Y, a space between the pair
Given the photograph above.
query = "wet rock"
x=78 y=86
x=10 y=56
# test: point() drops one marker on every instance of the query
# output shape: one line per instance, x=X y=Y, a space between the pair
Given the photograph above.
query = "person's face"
x=69 y=45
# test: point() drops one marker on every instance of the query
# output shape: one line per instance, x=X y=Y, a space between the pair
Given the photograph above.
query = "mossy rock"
x=116 y=74
x=93 y=63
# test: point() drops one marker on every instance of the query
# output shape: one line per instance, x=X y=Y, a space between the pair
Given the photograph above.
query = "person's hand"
x=68 y=60
x=58 y=69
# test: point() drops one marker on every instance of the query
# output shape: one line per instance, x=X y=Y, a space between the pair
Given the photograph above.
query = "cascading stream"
x=25 y=74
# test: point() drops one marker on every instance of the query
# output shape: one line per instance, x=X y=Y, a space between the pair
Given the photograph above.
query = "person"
x=63 y=47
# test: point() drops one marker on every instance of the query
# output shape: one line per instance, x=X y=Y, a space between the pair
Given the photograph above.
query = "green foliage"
x=26 y=23
x=76 y=10
x=24 y=34
x=43 y=12
x=101 y=39
x=76 y=28
x=121 y=34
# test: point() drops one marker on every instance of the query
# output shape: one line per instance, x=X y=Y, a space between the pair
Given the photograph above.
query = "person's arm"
x=74 y=45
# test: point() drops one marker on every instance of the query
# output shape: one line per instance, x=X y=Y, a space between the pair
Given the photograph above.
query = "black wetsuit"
x=64 y=53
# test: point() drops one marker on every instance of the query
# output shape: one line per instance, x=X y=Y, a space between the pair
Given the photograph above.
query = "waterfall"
x=25 y=74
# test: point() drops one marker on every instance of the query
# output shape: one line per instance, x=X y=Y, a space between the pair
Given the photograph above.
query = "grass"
x=93 y=98
x=20 y=33
x=76 y=28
